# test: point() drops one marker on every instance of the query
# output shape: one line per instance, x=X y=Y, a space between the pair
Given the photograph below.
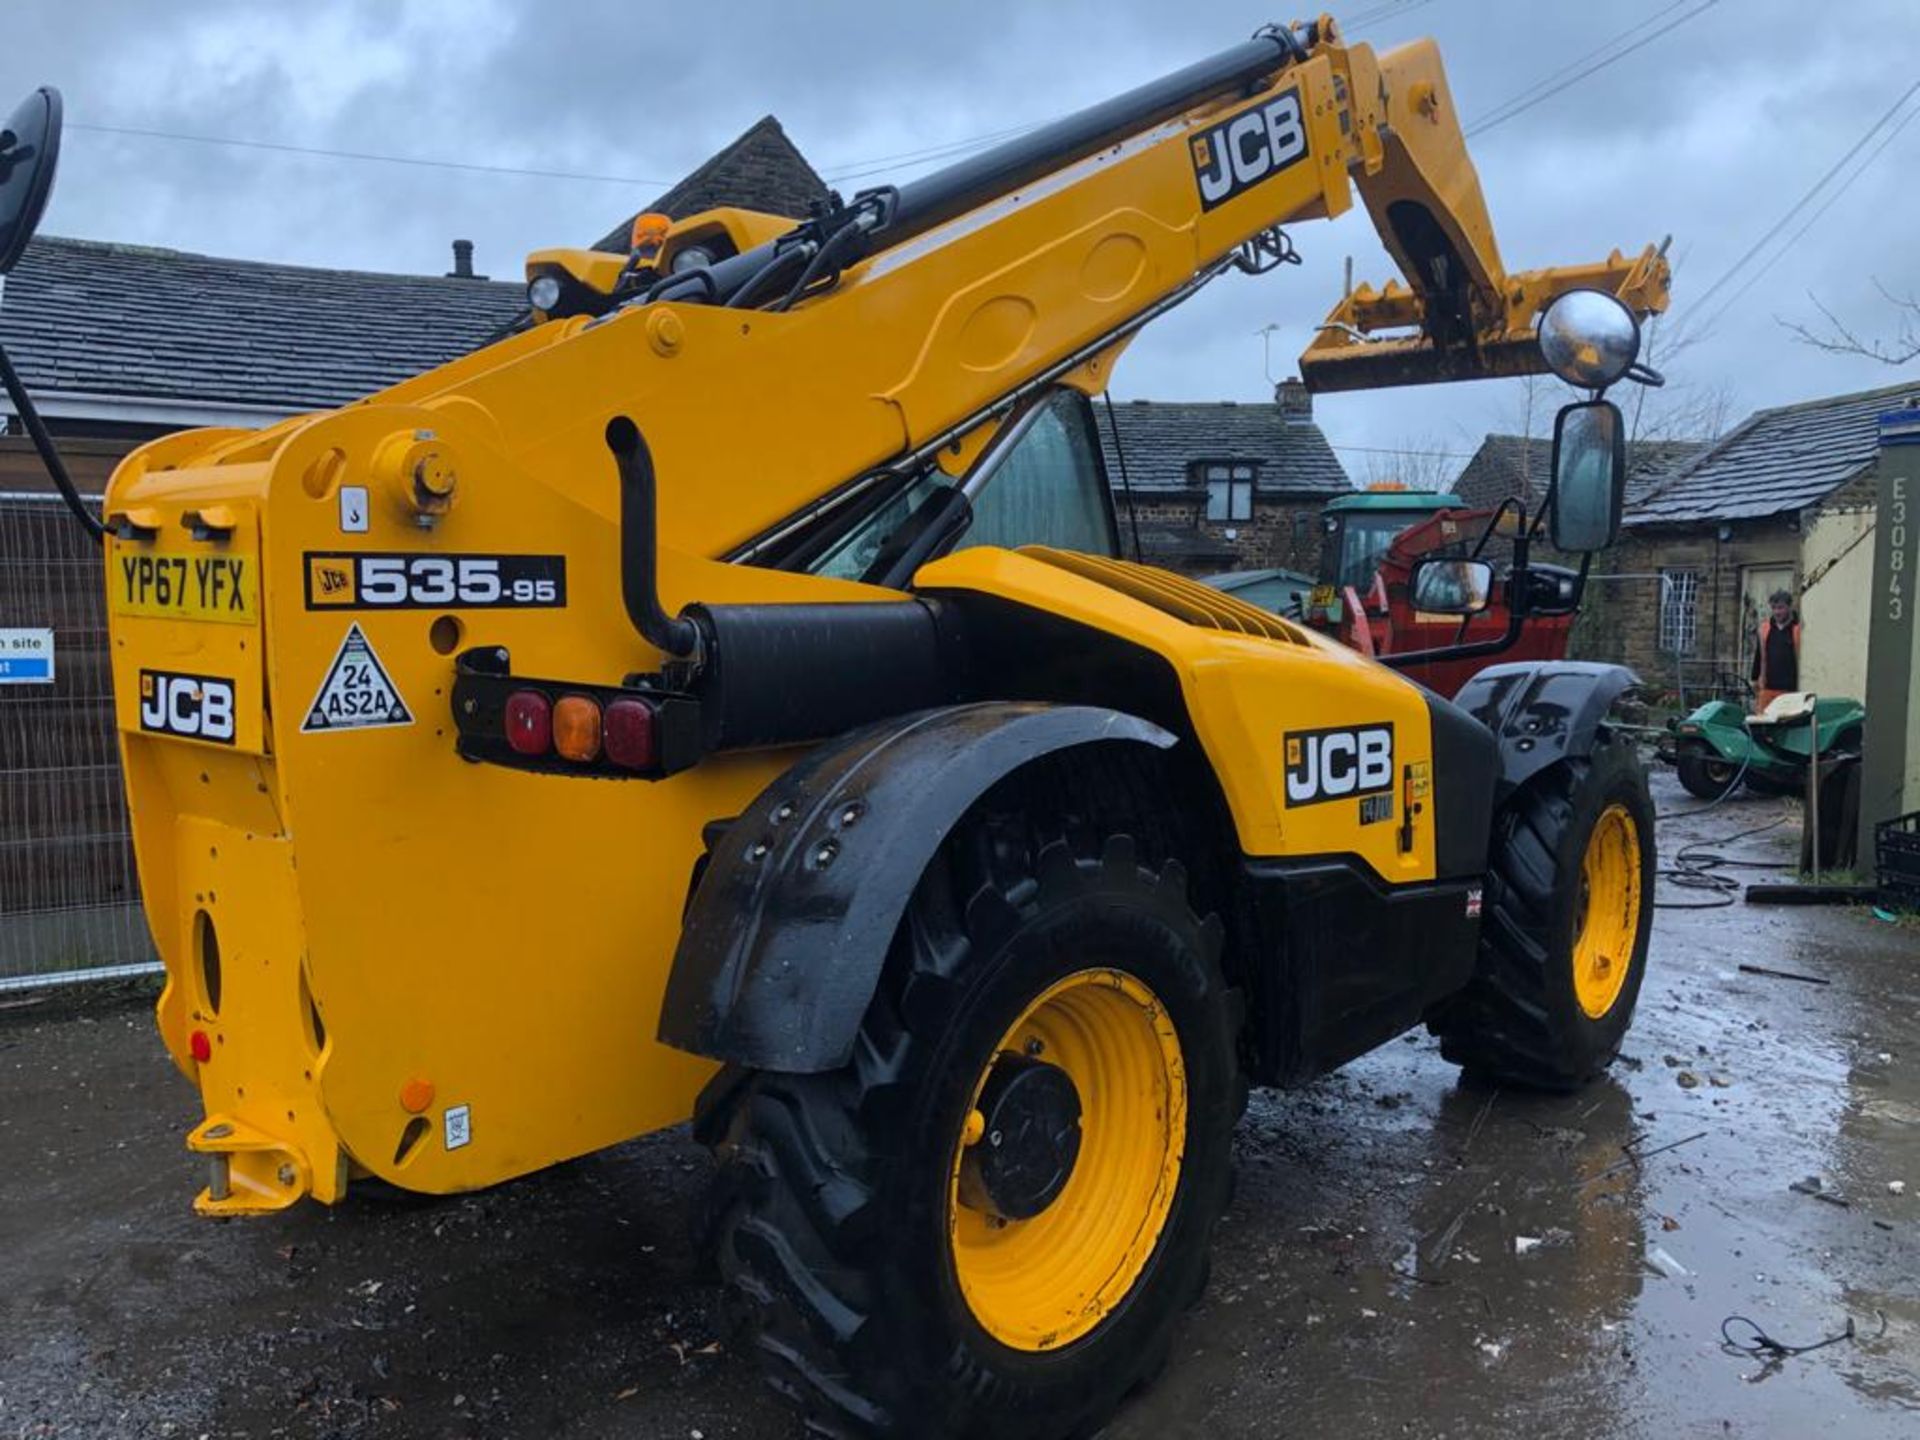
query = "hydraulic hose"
x=23 y=406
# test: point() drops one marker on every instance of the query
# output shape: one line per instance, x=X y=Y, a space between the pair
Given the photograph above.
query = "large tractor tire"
x=990 y=1221
x=1568 y=909
x=1705 y=775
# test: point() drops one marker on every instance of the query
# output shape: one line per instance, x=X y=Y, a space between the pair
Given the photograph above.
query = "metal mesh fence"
x=69 y=898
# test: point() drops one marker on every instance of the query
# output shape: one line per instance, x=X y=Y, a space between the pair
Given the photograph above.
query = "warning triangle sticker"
x=357 y=693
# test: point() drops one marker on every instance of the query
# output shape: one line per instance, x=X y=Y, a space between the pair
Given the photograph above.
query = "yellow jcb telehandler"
x=728 y=699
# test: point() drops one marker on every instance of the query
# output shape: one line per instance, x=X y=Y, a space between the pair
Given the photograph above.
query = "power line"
x=1500 y=116
x=364 y=155
x=1813 y=219
x=1575 y=63
x=850 y=170
x=1805 y=199
x=856 y=169
x=1399 y=450
x=861 y=169
x=1384 y=12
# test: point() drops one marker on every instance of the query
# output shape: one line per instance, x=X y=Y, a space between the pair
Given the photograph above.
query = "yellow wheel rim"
x=1044 y=1282
x=1608 y=921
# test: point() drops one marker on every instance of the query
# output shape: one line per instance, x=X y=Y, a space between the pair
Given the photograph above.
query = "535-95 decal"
x=357 y=580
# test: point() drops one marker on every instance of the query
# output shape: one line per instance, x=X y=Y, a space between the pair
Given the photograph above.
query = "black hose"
x=844 y=244
x=49 y=453
x=762 y=281
x=639 y=545
x=1695 y=868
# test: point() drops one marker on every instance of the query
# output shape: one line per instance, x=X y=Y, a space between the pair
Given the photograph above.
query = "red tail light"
x=628 y=735
x=529 y=722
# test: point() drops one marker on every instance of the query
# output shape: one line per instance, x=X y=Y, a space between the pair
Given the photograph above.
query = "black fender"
x=784 y=937
x=1542 y=711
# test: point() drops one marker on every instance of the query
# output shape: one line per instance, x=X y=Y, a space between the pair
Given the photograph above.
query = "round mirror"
x=29 y=150
x=1589 y=338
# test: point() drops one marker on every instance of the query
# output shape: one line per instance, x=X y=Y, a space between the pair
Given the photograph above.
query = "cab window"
x=1048 y=488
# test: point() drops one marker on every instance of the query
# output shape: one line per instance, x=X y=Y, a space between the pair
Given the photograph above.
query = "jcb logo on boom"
x=1245 y=149
x=197 y=707
x=1333 y=764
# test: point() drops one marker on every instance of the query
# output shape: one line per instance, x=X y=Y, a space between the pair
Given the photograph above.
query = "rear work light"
x=576 y=727
x=628 y=735
x=529 y=722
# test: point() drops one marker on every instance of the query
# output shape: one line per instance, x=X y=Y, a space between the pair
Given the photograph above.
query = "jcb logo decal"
x=196 y=707
x=330 y=582
x=1333 y=764
x=1245 y=149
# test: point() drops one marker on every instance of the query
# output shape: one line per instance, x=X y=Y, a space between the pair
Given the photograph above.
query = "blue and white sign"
x=26 y=657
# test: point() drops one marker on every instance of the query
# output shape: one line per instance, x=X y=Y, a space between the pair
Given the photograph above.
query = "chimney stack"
x=463 y=262
x=1295 y=401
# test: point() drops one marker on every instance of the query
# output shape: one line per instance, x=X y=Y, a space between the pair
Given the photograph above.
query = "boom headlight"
x=543 y=292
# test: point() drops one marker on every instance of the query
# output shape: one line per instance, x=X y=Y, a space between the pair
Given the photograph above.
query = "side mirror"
x=29 y=154
x=1589 y=475
x=1552 y=590
x=1451 y=587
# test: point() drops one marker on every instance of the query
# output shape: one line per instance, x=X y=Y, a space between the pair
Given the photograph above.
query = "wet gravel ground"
x=1406 y=1255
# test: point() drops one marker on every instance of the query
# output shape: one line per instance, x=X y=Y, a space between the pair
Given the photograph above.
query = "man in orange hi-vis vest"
x=1776 y=652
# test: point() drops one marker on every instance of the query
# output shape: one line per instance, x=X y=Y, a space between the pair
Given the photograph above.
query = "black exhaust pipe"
x=639 y=545
x=781 y=673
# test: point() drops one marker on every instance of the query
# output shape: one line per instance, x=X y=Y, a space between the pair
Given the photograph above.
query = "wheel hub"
x=1028 y=1139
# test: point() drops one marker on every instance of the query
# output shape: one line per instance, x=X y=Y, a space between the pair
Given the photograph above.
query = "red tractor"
x=1405 y=571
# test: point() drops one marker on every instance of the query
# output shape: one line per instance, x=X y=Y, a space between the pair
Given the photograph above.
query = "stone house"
x=1783 y=501
x=1521 y=466
x=1220 y=485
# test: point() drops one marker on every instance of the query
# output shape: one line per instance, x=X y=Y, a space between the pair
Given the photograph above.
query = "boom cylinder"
x=932 y=200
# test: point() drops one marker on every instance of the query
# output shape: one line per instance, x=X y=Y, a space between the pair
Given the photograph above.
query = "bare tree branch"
x=1423 y=465
x=1836 y=338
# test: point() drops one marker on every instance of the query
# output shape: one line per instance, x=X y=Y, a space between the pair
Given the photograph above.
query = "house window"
x=1679 y=611
x=1302 y=530
x=1229 y=491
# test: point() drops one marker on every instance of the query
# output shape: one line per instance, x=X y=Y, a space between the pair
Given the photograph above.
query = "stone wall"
x=1273 y=538
x=1620 y=617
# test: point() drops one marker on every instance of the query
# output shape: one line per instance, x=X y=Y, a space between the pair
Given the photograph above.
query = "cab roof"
x=1397 y=500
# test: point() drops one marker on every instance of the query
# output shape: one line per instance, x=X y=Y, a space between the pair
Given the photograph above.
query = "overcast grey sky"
x=1709 y=133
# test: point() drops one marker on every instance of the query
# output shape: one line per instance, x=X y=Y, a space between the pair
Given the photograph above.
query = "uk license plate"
x=196 y=584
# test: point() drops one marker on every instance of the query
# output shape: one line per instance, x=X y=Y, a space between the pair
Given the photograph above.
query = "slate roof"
x=1776 y=460
x=1520 y=465
x=156 y=325
x=1159 y=543
x=1163 y=440
x=761 y=170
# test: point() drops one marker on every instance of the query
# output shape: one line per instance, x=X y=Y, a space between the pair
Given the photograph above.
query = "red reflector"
x=628 y=734
x=200 y=1046
x=529 y=722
